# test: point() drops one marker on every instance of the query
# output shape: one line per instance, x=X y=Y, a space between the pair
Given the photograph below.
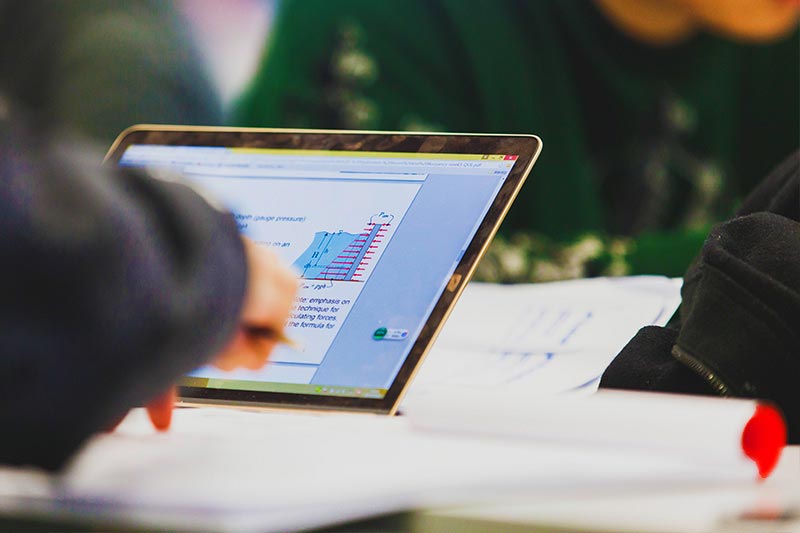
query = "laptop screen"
x=373 y=236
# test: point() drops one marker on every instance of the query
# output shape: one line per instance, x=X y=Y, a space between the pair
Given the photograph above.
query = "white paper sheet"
x=708 y=428
x=544 y=338
x=231 y=470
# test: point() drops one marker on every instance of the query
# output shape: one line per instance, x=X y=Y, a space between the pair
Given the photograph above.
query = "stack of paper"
x=247 y=471
x=738 y=433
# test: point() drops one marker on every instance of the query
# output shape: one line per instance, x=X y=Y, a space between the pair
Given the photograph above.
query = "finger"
x=240 y=352
x=227 y=358
x=245 y=351
x=160 y=409
x=260 y=349
x=271 y=289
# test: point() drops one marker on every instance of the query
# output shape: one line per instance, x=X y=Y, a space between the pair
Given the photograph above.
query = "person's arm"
x=735 y=332
x=271 y=288
x=112 y=285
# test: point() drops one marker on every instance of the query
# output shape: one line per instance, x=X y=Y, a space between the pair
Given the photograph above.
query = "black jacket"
x=737 y=332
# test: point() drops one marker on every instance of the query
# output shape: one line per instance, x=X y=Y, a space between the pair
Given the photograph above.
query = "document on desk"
x=543 y=338
x=739 y=433
x=221 y=469
x=225 y=470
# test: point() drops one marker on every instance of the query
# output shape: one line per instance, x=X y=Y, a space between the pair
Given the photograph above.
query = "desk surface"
x=772 y=505
x=577 y=489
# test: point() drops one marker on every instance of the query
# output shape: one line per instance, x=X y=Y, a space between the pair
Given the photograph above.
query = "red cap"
x=764 y=438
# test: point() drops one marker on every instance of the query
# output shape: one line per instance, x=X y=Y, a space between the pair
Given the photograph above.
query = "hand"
x=271 y=288
x=159 y=410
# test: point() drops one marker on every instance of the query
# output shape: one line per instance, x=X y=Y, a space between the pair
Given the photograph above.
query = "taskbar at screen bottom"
x=289 y=388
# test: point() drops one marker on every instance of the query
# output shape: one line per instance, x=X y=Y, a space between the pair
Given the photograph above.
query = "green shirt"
x=644 y=147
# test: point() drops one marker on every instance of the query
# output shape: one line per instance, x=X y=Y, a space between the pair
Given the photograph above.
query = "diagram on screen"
x=344 y=256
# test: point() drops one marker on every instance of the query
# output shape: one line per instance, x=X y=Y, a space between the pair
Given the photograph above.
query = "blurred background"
x=658 y=116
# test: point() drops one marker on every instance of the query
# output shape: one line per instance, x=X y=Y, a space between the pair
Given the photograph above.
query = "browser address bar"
x=273 y=173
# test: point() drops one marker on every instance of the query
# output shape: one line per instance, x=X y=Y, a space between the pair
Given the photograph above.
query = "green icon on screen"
x=379 y=334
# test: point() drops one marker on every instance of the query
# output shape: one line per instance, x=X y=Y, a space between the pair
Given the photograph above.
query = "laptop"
x=383 y=229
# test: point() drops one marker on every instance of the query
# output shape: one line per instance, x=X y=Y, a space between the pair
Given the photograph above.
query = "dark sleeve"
x=112 y=285
x=736 y=332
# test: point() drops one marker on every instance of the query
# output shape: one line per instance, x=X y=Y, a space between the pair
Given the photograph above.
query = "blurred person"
x=658 y=116
x=231 y=36
x=735 y=333
x=99 y=66
x=113 y=284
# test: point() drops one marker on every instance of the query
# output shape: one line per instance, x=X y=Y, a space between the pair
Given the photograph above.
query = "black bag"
x=737 y=332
